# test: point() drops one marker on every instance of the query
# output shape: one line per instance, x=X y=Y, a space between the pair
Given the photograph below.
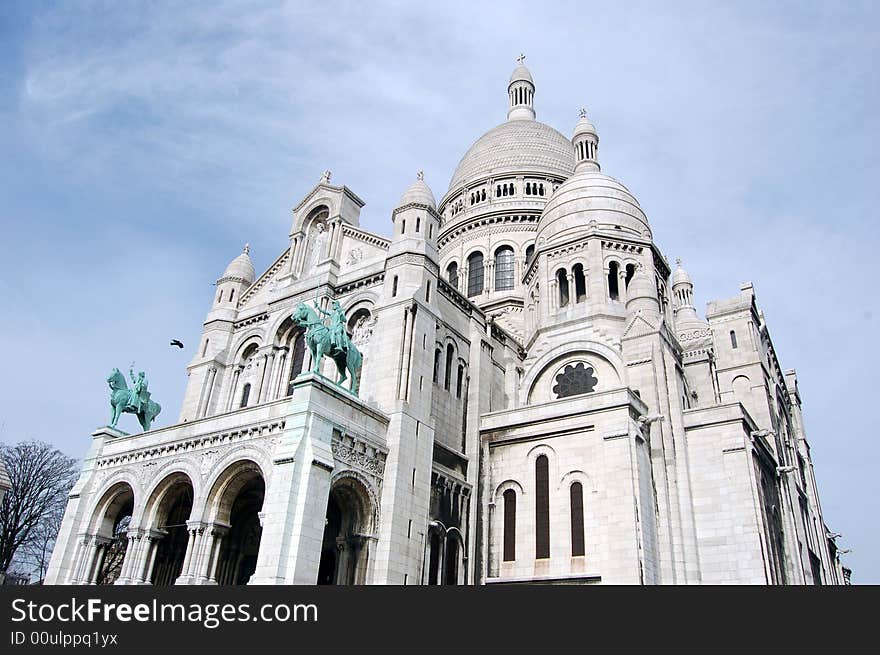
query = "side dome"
x=241 y=267
x=520 y=146
x=591 y=197
x=418 y=193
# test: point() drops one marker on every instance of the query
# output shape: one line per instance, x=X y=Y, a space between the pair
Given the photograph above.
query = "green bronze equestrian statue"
x=132 y=401
x=331 y=341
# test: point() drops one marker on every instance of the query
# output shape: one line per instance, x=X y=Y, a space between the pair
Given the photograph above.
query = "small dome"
x=584 y=126
x=521 y=73
x=241 y=267
x=419 y=193
x=590 y=197
x=680 y=276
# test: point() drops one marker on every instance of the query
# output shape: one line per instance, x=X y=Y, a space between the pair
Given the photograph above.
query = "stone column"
x=572 y=289
x=621 y=284
x=294 y=251
x=230 y=403
x=209 y=390
x=150 y=548
x=554 y=296
x=214 y=541
x=268 y=374
x=85 y=562
x=195 y=530
x=132 y=557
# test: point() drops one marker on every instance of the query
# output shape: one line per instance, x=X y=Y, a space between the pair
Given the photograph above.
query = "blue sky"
x=144 y=144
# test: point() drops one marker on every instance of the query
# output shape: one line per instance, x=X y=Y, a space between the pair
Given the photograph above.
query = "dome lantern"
x=521 y=93
x=586 y=144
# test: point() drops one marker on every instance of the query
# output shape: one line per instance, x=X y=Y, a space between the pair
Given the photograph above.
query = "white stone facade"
x=539 y=402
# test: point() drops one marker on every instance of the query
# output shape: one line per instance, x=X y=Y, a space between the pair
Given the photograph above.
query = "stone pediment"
x=640 y=326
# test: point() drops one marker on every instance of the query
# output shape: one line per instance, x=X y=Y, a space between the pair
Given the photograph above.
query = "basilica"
x=539 y=401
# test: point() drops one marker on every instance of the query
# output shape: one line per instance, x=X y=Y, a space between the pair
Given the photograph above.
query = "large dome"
x=517 y=146
x=590 y=196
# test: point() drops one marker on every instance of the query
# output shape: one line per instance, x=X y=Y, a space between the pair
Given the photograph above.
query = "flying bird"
x=176 y=342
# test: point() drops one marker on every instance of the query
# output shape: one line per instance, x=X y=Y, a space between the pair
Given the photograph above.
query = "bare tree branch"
x=32 y=508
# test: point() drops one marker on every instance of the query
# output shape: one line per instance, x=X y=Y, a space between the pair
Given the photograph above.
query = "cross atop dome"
x=421 y=175
x=583 y=112
x=520 y=59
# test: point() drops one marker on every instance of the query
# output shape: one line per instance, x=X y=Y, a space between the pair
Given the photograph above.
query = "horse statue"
x=332 y=341
x=132 y=401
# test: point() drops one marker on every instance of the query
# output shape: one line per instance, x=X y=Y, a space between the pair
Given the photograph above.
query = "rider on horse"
x=138 y=396
x=338 y=336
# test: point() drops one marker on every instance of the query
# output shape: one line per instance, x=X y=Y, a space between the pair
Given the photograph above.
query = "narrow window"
x=498 y=191
x=542 y=507
x=459 y=380
x=630 y=273
x=577 y=519
x=450 y=353
x=231 y=295
x=245 y=394
x=562 y=283
x=509 y=525
x=613 y=290
x=403 y=226
x=528 y=188
x=428 y=292
x=220 y=296
x=475 y=274
x=580 y=283
x=732 y=339
x=541 y=189
x=205 y=348
x=483 y=194
x=394 y=287
x=452 y=274
x=530 y=252
x=296 y=359
x=418 y=223
x=504 y=268
x=437 y=354
x=430 y=230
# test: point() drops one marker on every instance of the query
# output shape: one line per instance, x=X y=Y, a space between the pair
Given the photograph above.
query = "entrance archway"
x=174 y=502
x=237 y=499
x=348 y=532
x=115 y=511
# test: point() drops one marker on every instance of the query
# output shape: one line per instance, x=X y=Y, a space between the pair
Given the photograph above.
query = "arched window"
x=450 y=354
x=509 y=525
x=733 y=339
x=437 y=355
x=541 y=190
x=498 y=191
x=245 y=394
x=577 y=519
x=296 y=360
x=475 y=274
x=483 y=194
x=630 y=272
x=613 y=290
x=542 y=507
x=580 y=283
x=459 y=380
x=530 y=252
x=452 y=274
x=562 y=283
x=504 y=268
x=394 y=287
x=528 y=188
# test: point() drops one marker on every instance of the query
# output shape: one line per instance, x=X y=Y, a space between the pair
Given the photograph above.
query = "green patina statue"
x=331 y=341
x=131 y=401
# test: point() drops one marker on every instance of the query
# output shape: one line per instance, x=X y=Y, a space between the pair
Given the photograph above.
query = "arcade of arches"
x=170 y=546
